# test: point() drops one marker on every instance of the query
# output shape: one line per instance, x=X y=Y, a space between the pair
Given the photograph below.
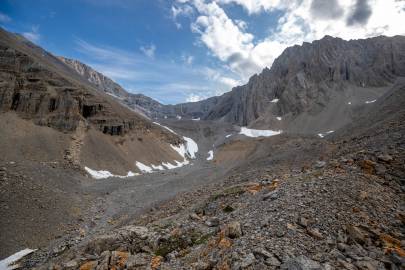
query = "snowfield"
x=325 y=133
x=143 y=168
x=105 y=174
x=371 y=101
x=210 y=155
x=7 y=263
x=258 y=133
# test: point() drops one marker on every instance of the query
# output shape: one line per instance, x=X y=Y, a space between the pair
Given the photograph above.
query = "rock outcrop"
x=310 y=89
x=38 y=87
x=36 y=90
x=138 y=102
x=317 y=86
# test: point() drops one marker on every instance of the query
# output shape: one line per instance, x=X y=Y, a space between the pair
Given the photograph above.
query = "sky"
x=187 y=50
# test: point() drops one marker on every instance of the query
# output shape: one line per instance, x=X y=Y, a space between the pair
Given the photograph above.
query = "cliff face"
x=311 y=88
x=309 y=79
x=137 y=102
x=102 y=82
x=38 y=87
x=40 y=90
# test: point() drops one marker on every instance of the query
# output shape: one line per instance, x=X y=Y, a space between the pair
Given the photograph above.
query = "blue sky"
x=183 y=50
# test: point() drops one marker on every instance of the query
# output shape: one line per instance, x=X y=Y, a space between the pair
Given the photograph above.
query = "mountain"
x=283 y=201
x=310 y=89
x=39 y=88
x=138 y=102
x=315 y=87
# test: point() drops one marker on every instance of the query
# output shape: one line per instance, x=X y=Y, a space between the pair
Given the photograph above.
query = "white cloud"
x=255 y=6
x=183 y=10
x=33 y=35
x=186 y=10
x=229 y=82
x=302 y=20
x=149 y=51
x=4 y=18
x=188 y=59
x=194 y=98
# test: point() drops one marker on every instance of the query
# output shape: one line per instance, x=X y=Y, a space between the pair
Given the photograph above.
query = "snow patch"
x=189 y=149
x=258 y=133
x=178 y=164
x=279 y=118
x=105 y=174
x=274 y=100
x=325 y=133
x=8 y=263
x=229 y=135
x=350 y=103
x=143 y=168
x=117 y=97
x=158 y=167
x=371 y=101
x=169 y=129
x=191 y=146
x=178 y=117
x=210 y=155
x=196 y=119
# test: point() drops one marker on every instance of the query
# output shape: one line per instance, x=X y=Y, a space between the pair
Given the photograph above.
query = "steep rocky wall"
x=305 y=78
x=34 y=92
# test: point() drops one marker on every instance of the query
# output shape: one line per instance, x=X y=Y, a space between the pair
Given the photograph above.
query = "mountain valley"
x=303 y=167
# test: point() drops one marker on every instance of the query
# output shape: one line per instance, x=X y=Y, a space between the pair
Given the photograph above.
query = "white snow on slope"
x=189 y=149
x=178 y=164
x=229 y=135
x=143 y=168
x=210 y=155
x=169 y=129
x=159 y=167
x=371 y=101
x=279 y=118
x=350 y=103
x=105 y=174
x=325 y=133
x=117 y=97
x=274 y=100
x=191 y=146
x=7 y=263
x=196 y=119
x=258 y=133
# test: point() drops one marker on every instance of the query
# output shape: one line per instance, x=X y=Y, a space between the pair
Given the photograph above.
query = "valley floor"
x=282 y=202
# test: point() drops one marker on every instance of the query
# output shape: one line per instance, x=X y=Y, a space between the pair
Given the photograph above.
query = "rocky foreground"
x=344 y=211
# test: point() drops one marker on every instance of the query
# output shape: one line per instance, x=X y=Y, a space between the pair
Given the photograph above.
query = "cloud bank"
x=230 y=41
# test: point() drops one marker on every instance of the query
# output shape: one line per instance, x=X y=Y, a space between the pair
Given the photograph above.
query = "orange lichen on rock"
x=223 y=242
x=121 y=258
x=273 y=185
x=389 y=241
x=254 y=188
x=90 y=265
x=368 y=166
x=223 y=265
x=156 y=262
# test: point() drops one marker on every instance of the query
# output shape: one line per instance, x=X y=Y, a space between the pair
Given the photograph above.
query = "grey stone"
x=301 y=263
x=248 y=260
